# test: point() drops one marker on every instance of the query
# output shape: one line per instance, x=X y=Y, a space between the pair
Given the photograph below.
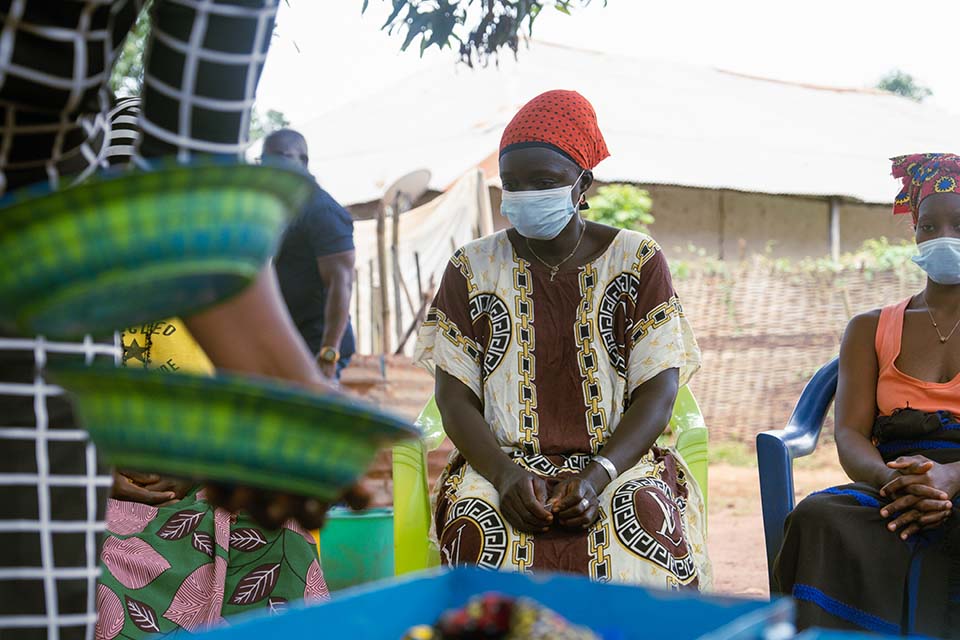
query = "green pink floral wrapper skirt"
x=189 y=566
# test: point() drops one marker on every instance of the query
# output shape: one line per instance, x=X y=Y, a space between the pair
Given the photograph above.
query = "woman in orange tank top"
x=883 y=554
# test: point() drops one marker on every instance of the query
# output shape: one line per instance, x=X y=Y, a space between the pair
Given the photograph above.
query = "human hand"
x=922 y=490
x=328 y=369
x=575 y=503
x=270 y=509
x=912 y=513
x=522 y=499
x=147 y=488
x=917 y=474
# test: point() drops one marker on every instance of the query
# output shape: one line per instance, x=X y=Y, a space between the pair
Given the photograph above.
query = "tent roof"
x=665 y=123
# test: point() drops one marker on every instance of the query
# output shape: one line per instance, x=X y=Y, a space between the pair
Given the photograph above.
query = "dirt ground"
x=735 y=525
x=734 y=521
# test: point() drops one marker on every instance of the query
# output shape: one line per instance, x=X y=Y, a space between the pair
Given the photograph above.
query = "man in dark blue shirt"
x=315 y=265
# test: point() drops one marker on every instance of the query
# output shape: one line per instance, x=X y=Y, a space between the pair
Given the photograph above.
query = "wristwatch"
x=328 y=355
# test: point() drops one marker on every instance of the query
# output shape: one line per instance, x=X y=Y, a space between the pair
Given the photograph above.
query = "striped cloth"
x=59 y=124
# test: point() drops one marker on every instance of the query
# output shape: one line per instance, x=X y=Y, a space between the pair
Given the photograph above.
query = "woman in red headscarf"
x=883 y=554
x=559 y=347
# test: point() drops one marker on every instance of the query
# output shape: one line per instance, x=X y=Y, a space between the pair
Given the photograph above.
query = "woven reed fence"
x=764 y=329
x=764 y=332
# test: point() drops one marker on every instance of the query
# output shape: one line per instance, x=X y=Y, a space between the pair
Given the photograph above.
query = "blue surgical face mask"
x=940 y=258
x=540 y=215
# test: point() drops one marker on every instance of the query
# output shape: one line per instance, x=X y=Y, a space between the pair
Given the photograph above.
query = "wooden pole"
x=382 y=258
x=425 y=300
x=416 y=260
x=356 y=308
x=373 y=311
x=835 y=229
x=407 y=296
x=395 y=252
x=485 y=222
x=722 y=227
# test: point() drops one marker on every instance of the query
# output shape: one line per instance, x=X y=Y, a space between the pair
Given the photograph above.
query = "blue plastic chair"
x=776 y=451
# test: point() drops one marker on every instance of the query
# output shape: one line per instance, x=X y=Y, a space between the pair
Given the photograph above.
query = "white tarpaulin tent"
x=428 y=236
x=665 y=122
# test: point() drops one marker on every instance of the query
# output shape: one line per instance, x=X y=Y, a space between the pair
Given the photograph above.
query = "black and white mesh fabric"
x=55 y=60
x=52 y=487
x=59 y=124
x=52 y=492
x=204 y=63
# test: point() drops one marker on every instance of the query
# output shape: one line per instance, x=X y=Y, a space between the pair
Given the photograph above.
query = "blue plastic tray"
x=388 y=609
x=830 y=634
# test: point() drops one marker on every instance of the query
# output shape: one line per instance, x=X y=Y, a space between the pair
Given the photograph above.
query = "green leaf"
x=488 y=26
x=398 y=6
x=416 y=25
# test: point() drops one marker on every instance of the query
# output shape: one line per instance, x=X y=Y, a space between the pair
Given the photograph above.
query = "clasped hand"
x=922 y=491
x=528 y=504
x=267 y=508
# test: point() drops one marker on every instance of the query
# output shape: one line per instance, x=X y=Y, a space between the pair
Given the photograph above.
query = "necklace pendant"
x=553 y=273
x=943 y=340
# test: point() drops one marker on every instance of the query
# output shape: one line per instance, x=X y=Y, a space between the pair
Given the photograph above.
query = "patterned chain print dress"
x=554 y=364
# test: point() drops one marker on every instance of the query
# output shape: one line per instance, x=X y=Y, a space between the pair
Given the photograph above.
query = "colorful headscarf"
x=562 y=120
x=923 y=174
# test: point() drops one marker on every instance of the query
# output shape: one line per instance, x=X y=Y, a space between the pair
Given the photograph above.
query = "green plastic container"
x=356 y=547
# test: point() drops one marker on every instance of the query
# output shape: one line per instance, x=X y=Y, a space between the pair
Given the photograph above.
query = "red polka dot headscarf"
x=923 y=174
x=562 y=120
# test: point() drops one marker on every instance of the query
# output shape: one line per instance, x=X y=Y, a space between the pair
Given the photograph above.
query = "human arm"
x=236 y=337
x=855 y=406
x=250 y=333
x=523 y=495
x=336 y=274
x=449 y=345
x=917 y=501
x=575 y=500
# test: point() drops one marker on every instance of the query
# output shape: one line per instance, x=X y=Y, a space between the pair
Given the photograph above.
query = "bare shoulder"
x=602 y=232
x=862 y=328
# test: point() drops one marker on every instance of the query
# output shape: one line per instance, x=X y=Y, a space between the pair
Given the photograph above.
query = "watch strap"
x=329 y=354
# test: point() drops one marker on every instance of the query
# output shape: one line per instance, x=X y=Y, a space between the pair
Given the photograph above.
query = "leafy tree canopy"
x=263 y=124
x=904 y=84
x=481 y=28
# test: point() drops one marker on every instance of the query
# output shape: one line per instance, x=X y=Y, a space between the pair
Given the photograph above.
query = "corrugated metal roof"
x=665 y=123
